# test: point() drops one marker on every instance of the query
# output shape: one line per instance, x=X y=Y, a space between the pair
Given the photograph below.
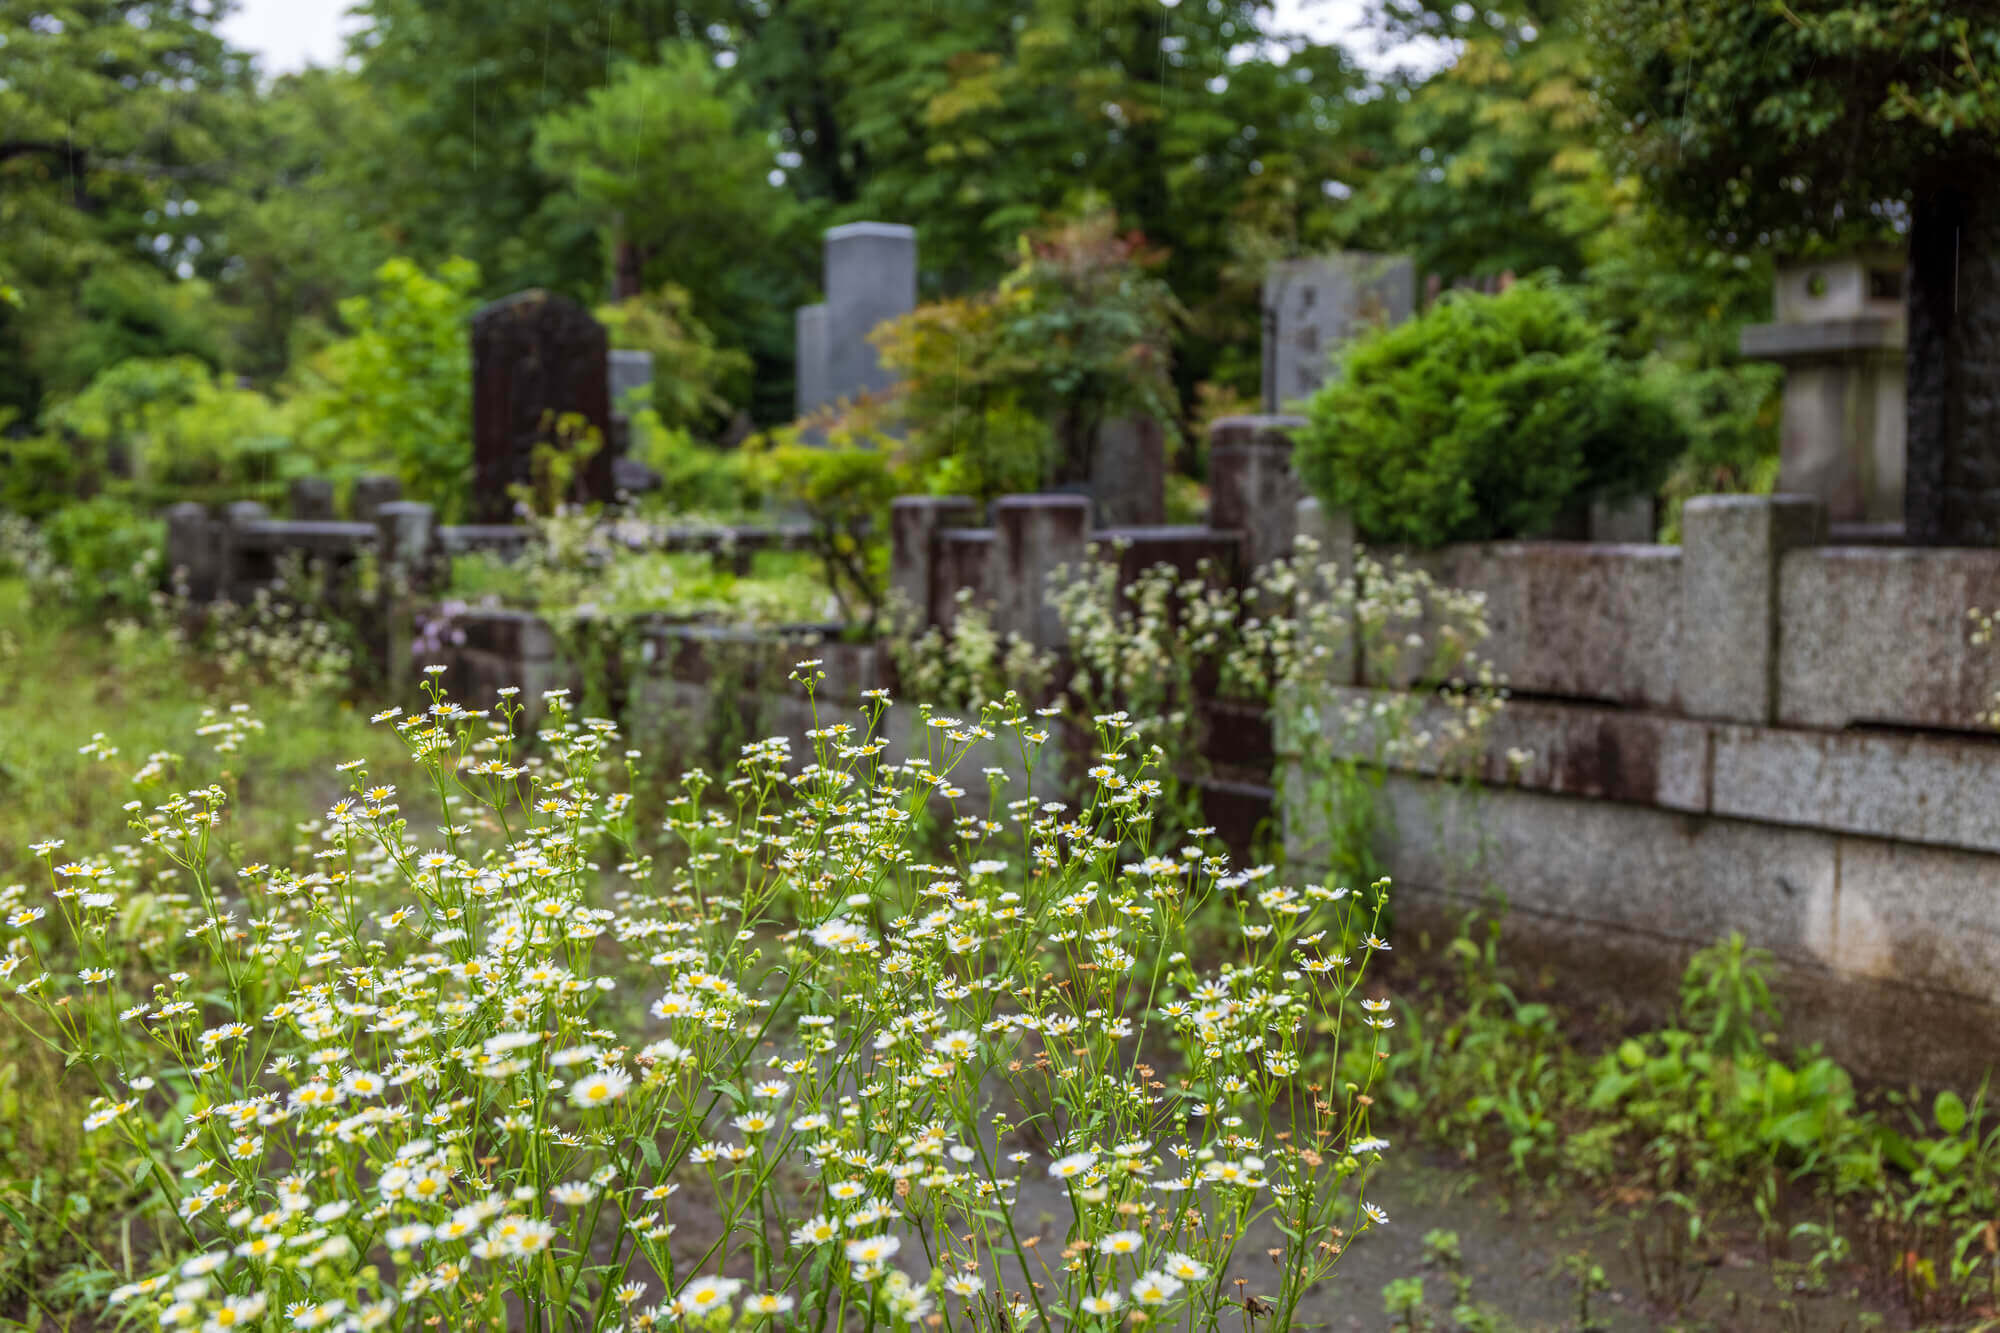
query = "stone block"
x=1880 y=635
x=1683 y=880
x=871 y=276
x=310 y=499
x=1128 y=473
x=1329 y=577
x=629 y=370
x=1189 y=551
x=1927 y=789
x=1575 y=620
x=914 y=524
x=1624 y=522
x=964 y=557
x=1252 y=487
x=512 y=636
x=1034 y=535
x=371 y=493
x=1607 y=754
x=1732 y=547
x=193 y=549
x=1922 y=916
x=811 y=374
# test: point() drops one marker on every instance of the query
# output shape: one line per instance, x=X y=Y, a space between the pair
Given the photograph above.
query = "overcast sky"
x=290 y=34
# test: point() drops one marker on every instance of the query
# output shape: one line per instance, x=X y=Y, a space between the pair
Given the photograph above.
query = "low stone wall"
x=1751 y=732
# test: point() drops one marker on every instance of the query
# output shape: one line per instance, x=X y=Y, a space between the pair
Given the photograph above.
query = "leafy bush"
x=844 y=491
x=1006 y=391
x=105 y=557
x=1485 y=417
x=399 y=389
x=694 y=378
x=180 y=428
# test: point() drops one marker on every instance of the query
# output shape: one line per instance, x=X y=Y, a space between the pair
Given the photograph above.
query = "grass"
x=67 y=1231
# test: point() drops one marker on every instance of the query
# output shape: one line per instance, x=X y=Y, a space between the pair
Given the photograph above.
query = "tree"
x=116 y=118
x=1789 y=126
x=664 y=163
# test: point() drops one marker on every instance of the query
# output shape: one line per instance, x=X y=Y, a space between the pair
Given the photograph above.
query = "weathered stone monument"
x=1839 y=334
x=536 y=357
x=870 y=276
x=1312 y=306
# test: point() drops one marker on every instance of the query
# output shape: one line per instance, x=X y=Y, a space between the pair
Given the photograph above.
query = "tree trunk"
x=628 y=271
x=1952 y=495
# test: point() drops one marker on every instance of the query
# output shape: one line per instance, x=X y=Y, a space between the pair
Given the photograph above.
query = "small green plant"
x=1485 y=417
x=1403 y=1302
x=1588 y=1275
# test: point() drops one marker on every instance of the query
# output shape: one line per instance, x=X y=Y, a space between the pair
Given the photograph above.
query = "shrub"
x=1485 y=417
x=399 y=389
x=180 y=428
x=694 y=378
x=1006 y=390
x=436 y=1075
x=104 y=557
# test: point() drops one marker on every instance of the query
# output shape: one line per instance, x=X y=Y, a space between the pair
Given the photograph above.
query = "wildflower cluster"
x=826 y=1039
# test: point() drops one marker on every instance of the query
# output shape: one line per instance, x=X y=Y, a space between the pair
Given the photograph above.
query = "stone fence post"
x=230 y=576
x=914 y=523
x=310 y=499
x=193 y=549
x=1731 y=550
x=1032 y=536
x=371 y=493
x=407 y=539
x=1252 y=486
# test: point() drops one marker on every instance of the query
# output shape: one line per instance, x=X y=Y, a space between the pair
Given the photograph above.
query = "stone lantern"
x=1839 y=335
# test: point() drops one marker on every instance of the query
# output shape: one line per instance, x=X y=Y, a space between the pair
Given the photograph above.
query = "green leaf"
x=1949 y=1111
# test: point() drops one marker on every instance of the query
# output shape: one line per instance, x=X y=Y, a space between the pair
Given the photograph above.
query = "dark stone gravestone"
x=536 y=357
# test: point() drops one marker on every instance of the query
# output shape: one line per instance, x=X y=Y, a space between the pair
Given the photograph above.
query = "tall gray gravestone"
x=870 y=276
x=536 y=357
x=1312 y=306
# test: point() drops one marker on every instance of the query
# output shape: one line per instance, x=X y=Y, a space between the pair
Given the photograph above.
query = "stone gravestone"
x=870 y=276
x=536 y=357
x=1312 y=306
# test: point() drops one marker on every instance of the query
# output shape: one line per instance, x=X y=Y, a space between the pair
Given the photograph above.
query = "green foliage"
x=963 y=391
x=1007 y=390
x=109 y=556
x=1490 y=165
x=844 y=491
x=1775 y=125
x=694 y=378
x=1485 y=417
x=39 y=474
x=696 y=478
x=398 y=389
x=180 y=428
